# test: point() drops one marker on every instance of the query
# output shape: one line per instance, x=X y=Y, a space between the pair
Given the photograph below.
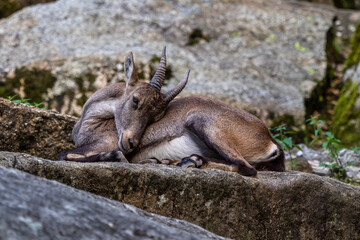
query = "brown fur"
x=136 y=119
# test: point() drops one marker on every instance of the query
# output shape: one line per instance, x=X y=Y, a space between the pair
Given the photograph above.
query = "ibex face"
x=142 y=103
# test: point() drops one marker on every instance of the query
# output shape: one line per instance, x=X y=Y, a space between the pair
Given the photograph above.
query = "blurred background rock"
x=284 y=61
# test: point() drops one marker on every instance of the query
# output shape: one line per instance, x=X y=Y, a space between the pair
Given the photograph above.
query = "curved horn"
x=170 y=95
x=158 y=79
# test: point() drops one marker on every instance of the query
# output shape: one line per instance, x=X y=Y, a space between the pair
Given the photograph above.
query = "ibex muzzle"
x=137 y=120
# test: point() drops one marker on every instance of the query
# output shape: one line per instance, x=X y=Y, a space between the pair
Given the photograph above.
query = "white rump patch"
x=264 y=157
x=176 y=149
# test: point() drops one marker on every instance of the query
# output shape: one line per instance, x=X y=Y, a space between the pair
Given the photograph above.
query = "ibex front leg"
x=81 y=155
x=104 y=149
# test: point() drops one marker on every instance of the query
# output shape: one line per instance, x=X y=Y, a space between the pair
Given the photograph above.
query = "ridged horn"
x=158 y=79
x=170 y=95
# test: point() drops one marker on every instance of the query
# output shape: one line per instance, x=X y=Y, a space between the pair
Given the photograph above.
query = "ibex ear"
x=130 y=70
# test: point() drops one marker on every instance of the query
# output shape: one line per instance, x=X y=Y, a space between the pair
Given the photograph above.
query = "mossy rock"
x=34 y=84
x=8 y=7
x=346 y=121
x=354 y=56
x=346 y=4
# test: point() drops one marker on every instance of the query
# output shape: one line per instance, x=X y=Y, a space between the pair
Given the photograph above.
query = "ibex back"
x=136 y=119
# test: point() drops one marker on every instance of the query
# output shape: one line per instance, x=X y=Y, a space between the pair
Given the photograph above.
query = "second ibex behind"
x=135 y=120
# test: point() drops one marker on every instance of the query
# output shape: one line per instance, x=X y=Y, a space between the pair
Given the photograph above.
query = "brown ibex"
x=136 y=119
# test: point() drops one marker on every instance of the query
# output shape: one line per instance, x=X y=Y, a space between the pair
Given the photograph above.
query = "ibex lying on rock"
x=137 y=120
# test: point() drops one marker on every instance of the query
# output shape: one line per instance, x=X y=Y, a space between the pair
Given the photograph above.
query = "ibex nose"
x=131 y=143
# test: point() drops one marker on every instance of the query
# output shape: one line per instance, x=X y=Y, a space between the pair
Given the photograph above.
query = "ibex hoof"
x=119 y=156
x=192 y=161
x=249 y=172
x=114 y=156
x=62 y=156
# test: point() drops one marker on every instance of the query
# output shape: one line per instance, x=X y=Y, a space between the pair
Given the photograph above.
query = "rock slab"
x=33 y=130
x=36 y=208
x=290 y=205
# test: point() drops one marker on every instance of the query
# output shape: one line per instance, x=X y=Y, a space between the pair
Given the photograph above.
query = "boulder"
x=244 y=53
x=36 y=208
x=33 y=130
x=290 y=205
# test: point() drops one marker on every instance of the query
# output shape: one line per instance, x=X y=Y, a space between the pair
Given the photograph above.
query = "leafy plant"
x=356 y=150
x=272 y=37
x=286 y=142
x=24 y=101
x=332 y=144
x=315 y=122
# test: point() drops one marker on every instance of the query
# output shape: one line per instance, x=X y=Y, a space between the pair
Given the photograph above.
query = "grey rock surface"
x=246 y=55
x=348 y=157
x=290 y=205
x=36 y=208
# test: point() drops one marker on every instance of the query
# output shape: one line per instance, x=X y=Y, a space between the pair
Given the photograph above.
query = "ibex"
x=134 y=119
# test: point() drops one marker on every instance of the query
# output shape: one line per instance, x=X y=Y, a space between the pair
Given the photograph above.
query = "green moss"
x=195 y=36
x=8 y=7
x=34 y=81
x=354 y=56
x=346 y=121
x=346 y=4
x=90 y=78
x=317 y=102
x=154 y=61
x=140 y=71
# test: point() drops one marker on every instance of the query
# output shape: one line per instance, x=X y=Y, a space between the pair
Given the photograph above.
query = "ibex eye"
x=135 y=100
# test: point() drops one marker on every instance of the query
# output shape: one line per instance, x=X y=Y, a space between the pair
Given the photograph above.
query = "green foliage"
x=356 y=150
x=322 y=138
x=300 y=48
x=24 y=101
x=330 y=143
x=291 y=125
x=281 y=135
x=315 y=122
